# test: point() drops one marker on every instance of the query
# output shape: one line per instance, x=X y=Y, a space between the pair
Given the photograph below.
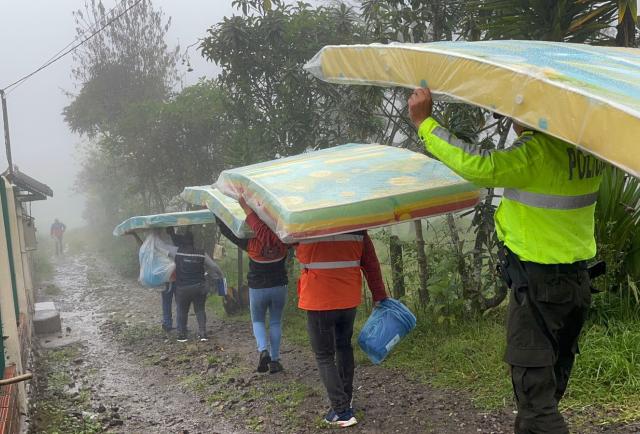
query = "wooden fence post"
x=423 y=271
x=397 y=272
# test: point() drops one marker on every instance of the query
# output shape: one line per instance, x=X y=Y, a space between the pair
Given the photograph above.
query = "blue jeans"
x=167 y=305
x=261 y=300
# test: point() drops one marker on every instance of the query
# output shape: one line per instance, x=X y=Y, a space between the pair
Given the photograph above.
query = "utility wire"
x=91 y=27
x=64 y=53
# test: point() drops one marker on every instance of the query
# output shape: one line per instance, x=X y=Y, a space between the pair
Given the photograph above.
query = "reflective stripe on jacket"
x=331 y=277
x=547 y=211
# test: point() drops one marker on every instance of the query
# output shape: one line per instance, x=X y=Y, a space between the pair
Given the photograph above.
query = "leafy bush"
x=618 y=239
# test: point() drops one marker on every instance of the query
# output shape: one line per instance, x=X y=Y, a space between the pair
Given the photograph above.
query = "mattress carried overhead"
x=227 y=209
x=185 y=218
x=347 y=188
x=585 y=95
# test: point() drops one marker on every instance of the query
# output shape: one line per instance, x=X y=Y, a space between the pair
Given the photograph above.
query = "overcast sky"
x=31 y=31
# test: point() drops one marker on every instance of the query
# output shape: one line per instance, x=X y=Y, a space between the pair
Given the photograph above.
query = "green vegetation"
x=130 y=334
x=59 y=407
x=42 y=266
x=607 y=373
x=466 y=355
x=150 y=141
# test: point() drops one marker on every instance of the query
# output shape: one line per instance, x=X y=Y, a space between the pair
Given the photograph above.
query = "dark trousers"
x=543 y=327
x=185 y=296
x=167 y=305
x=59 y=246
x=330 y=333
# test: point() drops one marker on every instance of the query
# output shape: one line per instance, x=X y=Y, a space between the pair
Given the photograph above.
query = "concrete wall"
x=16 y=328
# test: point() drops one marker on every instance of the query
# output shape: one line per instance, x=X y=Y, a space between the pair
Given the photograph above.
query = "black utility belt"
x=558 y=268
x=515 y=272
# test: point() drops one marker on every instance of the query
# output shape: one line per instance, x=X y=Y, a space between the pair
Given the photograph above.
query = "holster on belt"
x=511 y=269
x=596 y=270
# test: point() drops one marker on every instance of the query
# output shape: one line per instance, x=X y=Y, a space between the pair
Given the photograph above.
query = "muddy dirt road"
x=122 y=373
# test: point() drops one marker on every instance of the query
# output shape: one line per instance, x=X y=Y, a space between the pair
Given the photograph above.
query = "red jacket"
x=330 y=289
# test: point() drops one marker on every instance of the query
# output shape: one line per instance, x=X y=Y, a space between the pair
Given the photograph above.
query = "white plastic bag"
x=156 y=267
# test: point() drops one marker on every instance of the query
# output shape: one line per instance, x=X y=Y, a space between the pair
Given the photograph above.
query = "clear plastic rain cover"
x=585 y=95
x=185 y=218
x=225 y=208
x=347 y=188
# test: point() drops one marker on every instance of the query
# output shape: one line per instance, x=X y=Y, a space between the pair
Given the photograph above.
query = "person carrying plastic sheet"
x=170 y=289
x=329 y=289
x=190 y=287
x=168 y=293
x=546 y=223
x=267 y=278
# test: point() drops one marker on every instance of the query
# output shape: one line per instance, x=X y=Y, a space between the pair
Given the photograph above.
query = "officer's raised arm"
x=510 y=168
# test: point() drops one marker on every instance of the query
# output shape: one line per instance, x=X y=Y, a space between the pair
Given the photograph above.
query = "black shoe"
x=265 y=359
x=275 y=366
x=182 y=337
x=202 y=337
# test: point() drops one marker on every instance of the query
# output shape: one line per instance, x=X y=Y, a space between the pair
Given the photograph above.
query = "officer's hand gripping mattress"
x=347 y=188
x=386 y=326
x=225 y=208
x=585 y=95
x=185 y=218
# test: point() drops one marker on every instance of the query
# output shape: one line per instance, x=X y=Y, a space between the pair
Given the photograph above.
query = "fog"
x=42 y=145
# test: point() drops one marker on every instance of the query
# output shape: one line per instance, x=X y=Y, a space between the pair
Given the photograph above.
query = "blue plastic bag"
x=156 y=267
x=387 y=325
x=221 y=285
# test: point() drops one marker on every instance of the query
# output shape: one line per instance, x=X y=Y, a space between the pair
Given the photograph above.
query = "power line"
x=90 y=27
x=64 y=53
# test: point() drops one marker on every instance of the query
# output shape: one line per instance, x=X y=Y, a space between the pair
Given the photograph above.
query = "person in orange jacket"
x=329 y=289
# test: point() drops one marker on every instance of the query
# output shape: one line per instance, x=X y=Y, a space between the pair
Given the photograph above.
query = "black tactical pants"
x=330 y=332
x=543 y=327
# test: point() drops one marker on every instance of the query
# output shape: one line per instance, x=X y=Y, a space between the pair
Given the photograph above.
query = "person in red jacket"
x=267 y=278
x=329 y=289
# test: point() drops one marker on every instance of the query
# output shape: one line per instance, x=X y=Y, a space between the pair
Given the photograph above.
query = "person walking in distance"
x=57 y=232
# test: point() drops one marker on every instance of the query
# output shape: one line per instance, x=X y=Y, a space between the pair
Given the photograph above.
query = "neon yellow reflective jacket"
x=550 y=189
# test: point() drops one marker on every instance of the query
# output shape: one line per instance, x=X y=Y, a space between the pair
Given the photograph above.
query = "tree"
x=413 y=20
x=282 y=109
x=127 y=62
x=627 y=21
x=548 y=20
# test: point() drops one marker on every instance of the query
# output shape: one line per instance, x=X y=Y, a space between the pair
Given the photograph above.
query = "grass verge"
x=467 y=355
x=61 y=405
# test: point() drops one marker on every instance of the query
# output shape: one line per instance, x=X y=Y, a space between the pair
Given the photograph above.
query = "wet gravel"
x=142 y=381
x=128 y=395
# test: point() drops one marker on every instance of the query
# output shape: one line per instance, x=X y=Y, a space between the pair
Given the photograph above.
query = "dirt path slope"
x=126 y=375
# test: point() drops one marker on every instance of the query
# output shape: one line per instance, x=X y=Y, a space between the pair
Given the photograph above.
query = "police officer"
x=546 y=223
